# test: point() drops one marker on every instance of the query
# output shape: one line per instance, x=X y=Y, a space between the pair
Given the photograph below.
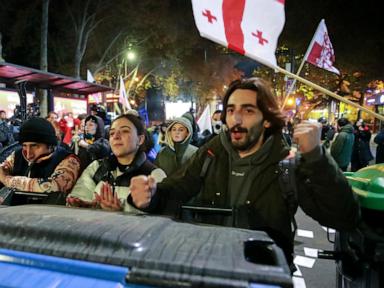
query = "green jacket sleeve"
x=325 y=195
x=183 y=185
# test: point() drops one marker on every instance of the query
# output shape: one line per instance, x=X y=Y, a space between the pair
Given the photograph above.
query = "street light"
x=131 y=56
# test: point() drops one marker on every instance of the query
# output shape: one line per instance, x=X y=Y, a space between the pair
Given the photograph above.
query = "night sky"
x=355 y=27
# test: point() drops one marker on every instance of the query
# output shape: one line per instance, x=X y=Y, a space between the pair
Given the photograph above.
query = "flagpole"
x=329 y=93
x=302 y=64
x=315 y=86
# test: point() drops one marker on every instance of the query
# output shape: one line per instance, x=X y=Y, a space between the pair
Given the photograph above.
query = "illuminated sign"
x=9 y=99
x=65 y=105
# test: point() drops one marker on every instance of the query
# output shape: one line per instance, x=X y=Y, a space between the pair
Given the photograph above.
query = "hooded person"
x=195 y=128
x=341 y=149
x=91 y=144
x=40 y=165
x=178 y=148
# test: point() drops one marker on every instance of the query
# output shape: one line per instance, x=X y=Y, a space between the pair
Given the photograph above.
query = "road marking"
x=297 y=272
x=304 y=261
x=311 y=252
x=330 y=230
x=298 y=282
x=305 y=233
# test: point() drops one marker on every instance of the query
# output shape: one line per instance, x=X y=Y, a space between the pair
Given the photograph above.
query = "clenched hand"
x=142 y=190
x=307 y=135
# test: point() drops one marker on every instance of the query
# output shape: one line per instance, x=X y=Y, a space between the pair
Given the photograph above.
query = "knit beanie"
x=37 y=130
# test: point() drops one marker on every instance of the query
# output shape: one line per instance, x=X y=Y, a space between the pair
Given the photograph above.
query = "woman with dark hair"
x=91 y=144
x=105 y=183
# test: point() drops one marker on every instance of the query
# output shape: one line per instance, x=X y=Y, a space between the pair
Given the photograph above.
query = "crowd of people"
x=125 y=166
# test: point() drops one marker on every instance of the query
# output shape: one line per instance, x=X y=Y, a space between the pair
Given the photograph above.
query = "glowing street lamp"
x=131 y=56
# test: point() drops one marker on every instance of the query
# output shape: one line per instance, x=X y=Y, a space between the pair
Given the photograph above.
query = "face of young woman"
x=90 y=127
x=124 y=140
x=178 y=133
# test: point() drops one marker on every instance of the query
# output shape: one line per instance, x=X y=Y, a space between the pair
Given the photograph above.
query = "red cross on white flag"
x=250 y=27
x=321 y=52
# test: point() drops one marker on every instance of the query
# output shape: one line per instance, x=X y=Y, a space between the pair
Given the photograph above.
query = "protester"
x=361 y=152
x=341 y=149
x=195 y=128
x=327 y=132
x=105 y=183
x=91 y=143
x=6 y=131
x=379 y=140
x=40 y=166
x=216 y=127
x=163 y=128
x=53 y=119
x=178 y=150
x=240 y=169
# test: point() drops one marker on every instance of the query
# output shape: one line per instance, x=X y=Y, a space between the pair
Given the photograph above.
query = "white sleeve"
x=85 y=186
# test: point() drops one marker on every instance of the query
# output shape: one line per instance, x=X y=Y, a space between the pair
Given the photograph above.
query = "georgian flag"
x=250 y=27
x=321 y=53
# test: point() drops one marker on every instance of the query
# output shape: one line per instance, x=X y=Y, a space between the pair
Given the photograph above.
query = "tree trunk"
x=44 y=36
x=1 y=50
x=44 y=55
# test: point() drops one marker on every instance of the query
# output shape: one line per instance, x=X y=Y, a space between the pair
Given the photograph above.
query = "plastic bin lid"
x=368 y=184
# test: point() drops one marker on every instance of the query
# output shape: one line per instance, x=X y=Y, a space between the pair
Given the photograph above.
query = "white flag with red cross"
x=250 y=27
x=321 y=53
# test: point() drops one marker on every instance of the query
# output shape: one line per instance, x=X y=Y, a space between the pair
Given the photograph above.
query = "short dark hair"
x=342 y=122
x=266 y=101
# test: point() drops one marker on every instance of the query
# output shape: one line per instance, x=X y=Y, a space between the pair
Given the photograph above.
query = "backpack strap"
x=206 y=163
x=288 y=188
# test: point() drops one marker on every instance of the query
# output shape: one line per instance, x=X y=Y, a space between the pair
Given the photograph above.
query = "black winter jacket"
x=322 y=191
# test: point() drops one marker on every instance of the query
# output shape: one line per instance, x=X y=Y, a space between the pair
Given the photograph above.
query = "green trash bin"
x=360 y=260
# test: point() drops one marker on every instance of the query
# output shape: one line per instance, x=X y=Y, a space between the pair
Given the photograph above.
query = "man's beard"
x=251 y=138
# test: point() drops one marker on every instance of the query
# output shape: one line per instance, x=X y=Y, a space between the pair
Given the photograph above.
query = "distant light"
x=290 y=101
x=370 y=100
x=382 y=98
x=131 y=55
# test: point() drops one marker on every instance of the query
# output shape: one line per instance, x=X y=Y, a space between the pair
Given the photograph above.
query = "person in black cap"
x=40 y=165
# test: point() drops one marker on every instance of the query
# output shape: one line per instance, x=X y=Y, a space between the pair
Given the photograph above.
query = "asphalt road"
x=323 y=272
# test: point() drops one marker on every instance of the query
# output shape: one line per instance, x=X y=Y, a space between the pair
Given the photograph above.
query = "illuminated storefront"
x=9 y=98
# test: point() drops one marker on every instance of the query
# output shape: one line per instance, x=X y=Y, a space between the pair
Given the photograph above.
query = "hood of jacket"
x=168 y=138
x=347 y=129
x=100 y=130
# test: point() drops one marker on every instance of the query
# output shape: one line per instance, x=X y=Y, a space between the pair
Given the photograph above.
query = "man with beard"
x=243 y=173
